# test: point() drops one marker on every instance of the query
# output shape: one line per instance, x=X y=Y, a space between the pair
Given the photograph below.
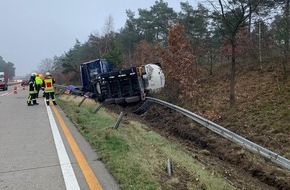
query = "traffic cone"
x=15 y=89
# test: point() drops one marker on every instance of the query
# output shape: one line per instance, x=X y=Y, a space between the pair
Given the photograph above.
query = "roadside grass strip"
x=136 y=155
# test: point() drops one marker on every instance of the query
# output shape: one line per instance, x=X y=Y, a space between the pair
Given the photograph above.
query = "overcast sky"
x=32 y=30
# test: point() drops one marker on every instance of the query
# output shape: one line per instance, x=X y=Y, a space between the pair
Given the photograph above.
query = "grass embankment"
x=137 y=156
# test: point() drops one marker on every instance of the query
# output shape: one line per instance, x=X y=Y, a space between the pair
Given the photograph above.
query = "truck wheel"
x=110 y=101
x=104 y=75
x=114 y=73
x=120 y=100
x=132 y=99
x=126 y=71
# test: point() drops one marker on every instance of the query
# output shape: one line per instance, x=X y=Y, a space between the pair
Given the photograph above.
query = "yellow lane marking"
x=86 y=169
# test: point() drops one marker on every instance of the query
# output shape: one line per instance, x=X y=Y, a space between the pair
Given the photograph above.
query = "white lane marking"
x=70 y=180
x=4 y=94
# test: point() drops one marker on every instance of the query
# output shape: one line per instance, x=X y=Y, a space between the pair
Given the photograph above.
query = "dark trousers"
x=51 y=95
x=31 y=99
x=38 y=87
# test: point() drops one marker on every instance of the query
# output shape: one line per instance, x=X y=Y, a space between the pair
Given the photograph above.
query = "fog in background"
x=32 y=30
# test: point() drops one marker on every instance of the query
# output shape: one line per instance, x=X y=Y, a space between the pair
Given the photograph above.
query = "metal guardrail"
x=13 y=83
x=250 y=146
x=60 y=86
x=255 y=148
x=64 y=86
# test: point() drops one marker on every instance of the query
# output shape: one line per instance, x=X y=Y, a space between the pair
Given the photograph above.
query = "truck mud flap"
x=132 y=99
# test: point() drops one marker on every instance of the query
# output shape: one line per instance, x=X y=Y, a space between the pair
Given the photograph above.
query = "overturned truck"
x=106 y=84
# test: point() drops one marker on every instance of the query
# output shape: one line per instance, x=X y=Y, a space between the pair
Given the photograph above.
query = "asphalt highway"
x=40 y=149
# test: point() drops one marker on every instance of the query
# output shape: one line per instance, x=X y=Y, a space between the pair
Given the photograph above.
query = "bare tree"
x=46 y=65
x=102 y=42
x=287 y=39
x=232 y=16
x=109 y=25
x=108 y=33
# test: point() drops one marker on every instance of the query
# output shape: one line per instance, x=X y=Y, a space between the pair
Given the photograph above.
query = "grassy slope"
x=262 y=103
x=137 y=156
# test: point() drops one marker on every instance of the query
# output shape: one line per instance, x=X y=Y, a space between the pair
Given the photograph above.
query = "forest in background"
x=191 y=45
x=7 y=67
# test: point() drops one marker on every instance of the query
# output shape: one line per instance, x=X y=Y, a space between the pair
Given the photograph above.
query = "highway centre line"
x=87 y=171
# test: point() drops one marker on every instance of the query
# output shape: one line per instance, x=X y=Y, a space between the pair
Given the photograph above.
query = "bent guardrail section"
x=253 y=147
x=250 y=146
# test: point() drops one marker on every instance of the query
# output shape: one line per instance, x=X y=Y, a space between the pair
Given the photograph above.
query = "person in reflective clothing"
x=32 y=91
x=38 y=81
x=48 y=87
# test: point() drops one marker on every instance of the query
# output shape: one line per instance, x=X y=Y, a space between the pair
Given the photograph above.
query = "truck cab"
x=90 y=72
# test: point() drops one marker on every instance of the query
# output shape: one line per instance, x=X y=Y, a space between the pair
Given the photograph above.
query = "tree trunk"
x=233 y=72
x=250 y=22
x=287 y=37
x=211 y=65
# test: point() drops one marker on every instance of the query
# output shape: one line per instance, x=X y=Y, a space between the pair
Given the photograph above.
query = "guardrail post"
x=169 y=167
x=98 y=108
x=82 y=101
x=119 y=120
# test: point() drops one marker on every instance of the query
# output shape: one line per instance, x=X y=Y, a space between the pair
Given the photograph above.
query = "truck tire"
x=104 y=75
x=110 y=101
x=126 y=71
x=114 y=73
x=144 y=108
x=119 y=100
x=132 y=99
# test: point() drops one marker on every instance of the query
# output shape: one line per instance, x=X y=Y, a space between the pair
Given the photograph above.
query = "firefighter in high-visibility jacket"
x=38 y=82
x=32 y=91
x=48 y=87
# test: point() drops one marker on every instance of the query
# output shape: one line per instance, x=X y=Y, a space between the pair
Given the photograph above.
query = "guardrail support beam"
x=82 y=101
x=98 y=108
